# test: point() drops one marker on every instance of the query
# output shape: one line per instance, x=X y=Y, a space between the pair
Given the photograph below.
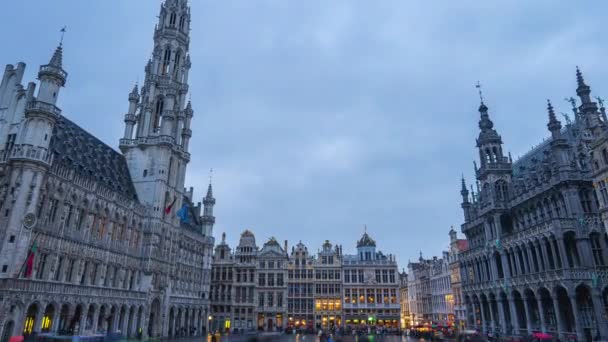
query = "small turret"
x=465 y=205
x=208 y=219
x=554 y=125
x=52 y=78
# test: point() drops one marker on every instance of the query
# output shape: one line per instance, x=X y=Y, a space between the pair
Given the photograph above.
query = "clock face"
x=29 y=220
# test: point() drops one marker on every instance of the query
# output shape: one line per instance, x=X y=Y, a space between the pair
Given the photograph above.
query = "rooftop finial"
x=579 y=77
x=478 y=86
x=365 y=228
x=464 y=186
x=63 y=29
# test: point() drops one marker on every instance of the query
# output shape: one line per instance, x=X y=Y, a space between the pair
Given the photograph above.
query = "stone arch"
x=154 y=318
x=546 y=302
x=565 y=312
x=584 y=304
x=76 y=319
x=520 y=311
x=31 y=318
x=64 y=315
x=131 y=321
x=531 y=305
x=90 y=318
x=171 y=330
x=48 y=317
x=102 y=318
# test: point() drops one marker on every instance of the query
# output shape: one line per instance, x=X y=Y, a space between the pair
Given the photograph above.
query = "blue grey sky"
x=319 y=117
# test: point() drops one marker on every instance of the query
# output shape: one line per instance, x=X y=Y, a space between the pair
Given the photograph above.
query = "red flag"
x=29 y=263
x=168 y=209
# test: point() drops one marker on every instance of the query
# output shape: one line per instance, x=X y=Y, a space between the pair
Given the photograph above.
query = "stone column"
x=543 y=253
x=513 y=311
x=526 y=255
x=492 y=321
x=123 y=322
x=514 y=262
x=558 y=317
x=82 y=325
x=528 y=318
x=182 y=323
x=577 y=318
x=501 y=317
x=173 y=323
x=95 y=320
x=541 y=312
x=562 y=252
x=474 y=316
x=483 y=317
x=505 y=264
x=38 y=321
x=56 y=318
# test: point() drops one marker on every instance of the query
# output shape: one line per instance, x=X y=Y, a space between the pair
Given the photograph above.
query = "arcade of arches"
x=559 y=310
x=87 y=319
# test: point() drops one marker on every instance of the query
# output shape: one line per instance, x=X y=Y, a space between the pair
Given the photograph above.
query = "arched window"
x=172 y=19
x=182 y=22
x=158 y=111
x=176 y=62
x=166 y=61
x=501 y=191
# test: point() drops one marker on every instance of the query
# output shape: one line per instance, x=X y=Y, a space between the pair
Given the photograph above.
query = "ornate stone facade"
x=537 y=249
x=117 y=243
x=457 y=246
x=371 y=287
x=328 y=312
x=300 y=288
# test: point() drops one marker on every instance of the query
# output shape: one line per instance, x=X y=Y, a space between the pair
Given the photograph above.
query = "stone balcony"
x=44 y=108
x=27 y=152
x=372 y=306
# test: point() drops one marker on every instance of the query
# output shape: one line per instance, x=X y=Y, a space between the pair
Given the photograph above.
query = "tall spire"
x=463 y=190
x=579 y=78
x=57 y=59
x=583 y=91
x=554 y=125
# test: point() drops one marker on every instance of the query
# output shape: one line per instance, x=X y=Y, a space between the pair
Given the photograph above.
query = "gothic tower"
x=31 y=158
x=157 y=125
x=494 y=175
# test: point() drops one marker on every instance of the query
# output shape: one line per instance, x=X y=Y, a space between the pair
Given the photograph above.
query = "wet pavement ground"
x=297 y=338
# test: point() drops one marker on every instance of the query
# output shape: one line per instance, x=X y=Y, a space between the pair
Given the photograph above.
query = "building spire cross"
x=478 y=86
x=63 y=30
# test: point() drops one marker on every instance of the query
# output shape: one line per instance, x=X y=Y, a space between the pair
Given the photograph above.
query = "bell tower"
x=157 y=124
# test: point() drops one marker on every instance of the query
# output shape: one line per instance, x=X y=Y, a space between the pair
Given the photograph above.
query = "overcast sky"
x=320 y=117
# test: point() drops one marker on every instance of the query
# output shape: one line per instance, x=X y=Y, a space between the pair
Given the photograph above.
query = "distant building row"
x=271 y=289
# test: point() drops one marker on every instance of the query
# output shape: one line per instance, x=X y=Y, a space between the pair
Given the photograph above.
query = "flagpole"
x=28 y=254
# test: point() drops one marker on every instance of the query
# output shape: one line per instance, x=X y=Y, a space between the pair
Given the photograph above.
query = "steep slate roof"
x=76 y=149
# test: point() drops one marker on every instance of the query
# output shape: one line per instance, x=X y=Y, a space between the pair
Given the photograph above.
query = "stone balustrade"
x=39 y=106
x=33 y=286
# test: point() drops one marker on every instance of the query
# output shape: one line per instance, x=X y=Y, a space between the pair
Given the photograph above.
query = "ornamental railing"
x=24 y=286
x=39 y=106
x=26 y=151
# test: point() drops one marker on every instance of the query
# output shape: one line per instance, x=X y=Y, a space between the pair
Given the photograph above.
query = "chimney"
x=285 y=246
